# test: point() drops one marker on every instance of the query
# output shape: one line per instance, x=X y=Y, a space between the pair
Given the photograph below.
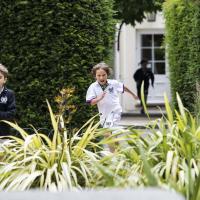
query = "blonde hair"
x=3 y=70
x=101 y=65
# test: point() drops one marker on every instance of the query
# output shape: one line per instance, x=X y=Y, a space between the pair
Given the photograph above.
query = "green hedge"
x=51 y=44
x=183 y=46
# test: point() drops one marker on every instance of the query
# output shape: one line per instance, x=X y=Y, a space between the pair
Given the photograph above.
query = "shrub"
x=197 y=103
x=57 y=164
x=51 y=44
x=183 y=46
x=165 y=154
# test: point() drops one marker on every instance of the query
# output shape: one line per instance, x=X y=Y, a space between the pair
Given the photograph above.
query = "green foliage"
x=57 y=164
x=165 y=154
x=183 y=47
x=48 y=45
x=131 y=11
x=65 y=103
x=197 y=103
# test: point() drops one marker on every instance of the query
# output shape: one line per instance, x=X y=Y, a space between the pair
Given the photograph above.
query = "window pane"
x=146 y=40
x=158 y=40
x=146 y=53
x=159 y=54
x=159 y=68
x=152 y=50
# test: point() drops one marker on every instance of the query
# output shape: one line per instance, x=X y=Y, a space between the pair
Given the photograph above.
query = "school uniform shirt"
x=109 y=107
x=7 y=109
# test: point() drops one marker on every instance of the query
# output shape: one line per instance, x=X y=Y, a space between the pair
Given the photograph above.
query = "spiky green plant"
x=36 y=161
x=172 y=149
x=165 y=154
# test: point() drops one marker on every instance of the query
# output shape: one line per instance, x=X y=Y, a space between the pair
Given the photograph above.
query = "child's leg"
x=114 y=118
x=110 y=146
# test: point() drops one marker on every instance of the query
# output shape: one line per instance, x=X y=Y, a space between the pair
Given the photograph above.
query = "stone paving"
x=134 y=118
x=137 y=120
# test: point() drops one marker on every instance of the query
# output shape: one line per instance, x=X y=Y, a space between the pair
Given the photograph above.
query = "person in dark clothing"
x=7 y=103
x=143 y=74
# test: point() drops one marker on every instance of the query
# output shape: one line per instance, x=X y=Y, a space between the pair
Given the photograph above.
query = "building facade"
x=145 y=40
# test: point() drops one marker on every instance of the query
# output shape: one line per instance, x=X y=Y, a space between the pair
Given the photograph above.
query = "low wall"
x=129 y=194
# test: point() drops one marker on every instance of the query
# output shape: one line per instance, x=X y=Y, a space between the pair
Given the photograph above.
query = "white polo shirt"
x=109 y=106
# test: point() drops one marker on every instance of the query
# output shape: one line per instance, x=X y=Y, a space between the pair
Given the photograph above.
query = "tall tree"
x=131 y=11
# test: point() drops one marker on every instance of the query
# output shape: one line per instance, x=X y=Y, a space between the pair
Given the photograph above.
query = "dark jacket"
x=141 y=75
x=7 y=110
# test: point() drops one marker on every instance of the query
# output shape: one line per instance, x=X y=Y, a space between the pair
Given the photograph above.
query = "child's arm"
x=152 y=79
x=97 y=99
x=130 y=92
x=9 y=114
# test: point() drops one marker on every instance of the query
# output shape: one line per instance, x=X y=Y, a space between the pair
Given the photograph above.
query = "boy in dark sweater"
x=7 y=103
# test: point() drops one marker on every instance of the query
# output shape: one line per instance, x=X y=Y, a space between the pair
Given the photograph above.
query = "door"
x=150 y=47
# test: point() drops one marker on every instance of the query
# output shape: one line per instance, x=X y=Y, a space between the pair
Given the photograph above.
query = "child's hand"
x=100 y=97
x=135 y=97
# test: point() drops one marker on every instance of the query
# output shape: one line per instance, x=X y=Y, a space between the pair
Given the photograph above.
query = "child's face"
x=101 y=76
x=144 y=65
x=2 y=80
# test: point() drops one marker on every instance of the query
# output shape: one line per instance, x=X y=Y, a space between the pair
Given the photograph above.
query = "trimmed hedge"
x=183 y=46
x=51 y=44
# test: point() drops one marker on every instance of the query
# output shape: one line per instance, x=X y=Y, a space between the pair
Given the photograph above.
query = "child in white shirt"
x=105 y=93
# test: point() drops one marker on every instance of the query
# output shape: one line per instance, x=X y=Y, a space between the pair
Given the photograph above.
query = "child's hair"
x=3 y=70
x=143 y=61
x=101 y=65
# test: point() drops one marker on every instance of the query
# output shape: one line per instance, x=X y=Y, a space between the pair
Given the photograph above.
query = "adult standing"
x=143 y=74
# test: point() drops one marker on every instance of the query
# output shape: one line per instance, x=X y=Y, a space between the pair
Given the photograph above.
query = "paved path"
x=138 y=120
x=134 y=118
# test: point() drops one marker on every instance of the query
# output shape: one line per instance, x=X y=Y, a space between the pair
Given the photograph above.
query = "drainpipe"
x=117 y=50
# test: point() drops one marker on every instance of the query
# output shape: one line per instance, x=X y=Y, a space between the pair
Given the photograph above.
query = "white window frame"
x=139 y=34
